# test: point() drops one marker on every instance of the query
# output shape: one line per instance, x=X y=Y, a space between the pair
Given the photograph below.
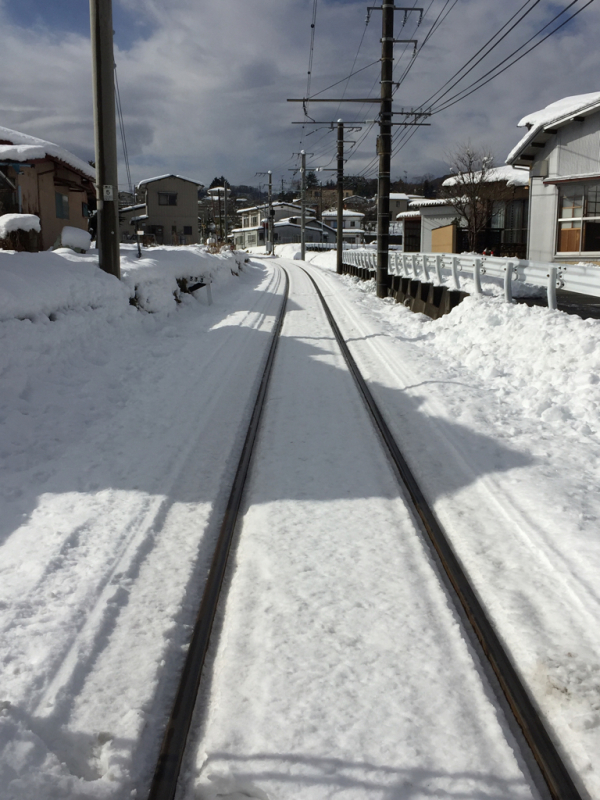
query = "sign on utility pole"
x=105 y=136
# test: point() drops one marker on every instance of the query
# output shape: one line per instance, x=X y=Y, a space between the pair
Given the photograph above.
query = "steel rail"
x=164 y=782
x=552 y=768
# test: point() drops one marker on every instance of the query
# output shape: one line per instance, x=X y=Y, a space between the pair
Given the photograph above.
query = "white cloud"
x=204 y=88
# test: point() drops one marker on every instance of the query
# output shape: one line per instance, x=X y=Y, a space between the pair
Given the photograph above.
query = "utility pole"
x=340 y=197
x=105 y=136
x=225 y=211
x=302 y=206
x=384 y=148
x=271 y=243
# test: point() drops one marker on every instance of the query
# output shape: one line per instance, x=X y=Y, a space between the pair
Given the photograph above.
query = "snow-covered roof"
x=132 y=208
x=408 y=215
x=16 y=146
x=510 y=174
x=276 y=204
x=346 y=212
x=399 y=196
x=434 y=201
x=542 y=124
x=170 y=175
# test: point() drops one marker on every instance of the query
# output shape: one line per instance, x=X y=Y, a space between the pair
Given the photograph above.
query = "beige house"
x=168 y=210
x=39 y=177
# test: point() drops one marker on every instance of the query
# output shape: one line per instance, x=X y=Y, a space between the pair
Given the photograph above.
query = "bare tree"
x=474 y=187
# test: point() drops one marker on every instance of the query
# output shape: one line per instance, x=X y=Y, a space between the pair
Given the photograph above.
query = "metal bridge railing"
x=443 y=267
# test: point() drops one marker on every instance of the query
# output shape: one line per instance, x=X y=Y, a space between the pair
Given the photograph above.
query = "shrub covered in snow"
x=19 y=231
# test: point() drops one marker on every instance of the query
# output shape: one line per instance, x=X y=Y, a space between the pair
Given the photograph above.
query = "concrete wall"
x=185 y=213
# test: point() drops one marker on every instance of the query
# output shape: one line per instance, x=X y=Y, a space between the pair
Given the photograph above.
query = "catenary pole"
x=384 y=147
x=271 y=244
x=302 y=206
x=225 y=212
x=105 y=136
x=340 y=196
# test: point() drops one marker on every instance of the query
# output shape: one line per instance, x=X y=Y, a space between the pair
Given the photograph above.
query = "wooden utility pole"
x=105 y=136
x=384 y=148
x=340 y=197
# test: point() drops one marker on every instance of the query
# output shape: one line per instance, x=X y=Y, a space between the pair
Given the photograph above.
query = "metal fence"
x=441 y=268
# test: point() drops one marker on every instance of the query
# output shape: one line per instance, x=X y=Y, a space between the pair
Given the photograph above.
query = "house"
x=167 y=210
x=286 y=226
x=561 y=150
x=39 y=177
x=353 y=232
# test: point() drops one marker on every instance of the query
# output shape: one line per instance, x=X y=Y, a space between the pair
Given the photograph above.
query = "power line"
x=447 y=103
x=119 y=108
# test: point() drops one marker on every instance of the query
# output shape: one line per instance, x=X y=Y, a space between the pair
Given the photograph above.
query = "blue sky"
x=204 y=83
x=73 y=16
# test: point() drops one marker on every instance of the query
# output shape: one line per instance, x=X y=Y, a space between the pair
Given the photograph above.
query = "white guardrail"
x=436 y=267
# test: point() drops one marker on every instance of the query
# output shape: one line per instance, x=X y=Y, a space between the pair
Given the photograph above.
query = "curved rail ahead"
x=552 y=768
x=164 y=782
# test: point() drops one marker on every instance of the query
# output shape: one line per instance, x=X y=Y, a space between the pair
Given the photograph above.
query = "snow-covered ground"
x=119 y=429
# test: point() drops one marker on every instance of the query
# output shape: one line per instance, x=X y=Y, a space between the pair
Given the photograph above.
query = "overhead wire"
x=119 y=108
x=493 y=72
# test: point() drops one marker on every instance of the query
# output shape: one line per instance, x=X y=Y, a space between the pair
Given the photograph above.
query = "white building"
x=562 y=150
x=286 y=227
x=353 y=232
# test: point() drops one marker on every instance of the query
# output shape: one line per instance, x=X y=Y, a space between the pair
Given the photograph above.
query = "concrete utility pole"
x=302 y=206
x=340 y=197
x=271 y=243
x=105 y=136
x=225 y=211
x=384 y=148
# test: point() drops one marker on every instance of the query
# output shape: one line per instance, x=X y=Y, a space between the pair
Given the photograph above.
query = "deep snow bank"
x=34 y=284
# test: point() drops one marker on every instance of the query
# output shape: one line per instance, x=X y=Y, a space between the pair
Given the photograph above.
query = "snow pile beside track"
x=34 y=285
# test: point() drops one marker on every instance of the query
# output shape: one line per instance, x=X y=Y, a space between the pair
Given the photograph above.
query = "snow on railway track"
x=341 y=668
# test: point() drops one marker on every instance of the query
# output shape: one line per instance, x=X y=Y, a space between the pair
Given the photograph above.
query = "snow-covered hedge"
x=34 y=284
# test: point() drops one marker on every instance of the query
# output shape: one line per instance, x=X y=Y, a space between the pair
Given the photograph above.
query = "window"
x=62 y=205
x=254 y=221
x=352 y=223
x=578 y=218
x=167 y=198
x=187 y=230
x=85 y=210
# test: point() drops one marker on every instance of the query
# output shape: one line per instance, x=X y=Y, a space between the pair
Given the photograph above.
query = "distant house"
x=437 y=230
x=39 y=177
x=286 y=227
x=167 y=211
x=562 y=151
x=353 y=232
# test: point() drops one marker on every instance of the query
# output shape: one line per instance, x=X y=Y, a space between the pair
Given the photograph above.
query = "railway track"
x=560 y=783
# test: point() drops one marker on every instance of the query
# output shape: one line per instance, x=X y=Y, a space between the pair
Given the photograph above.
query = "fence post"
x=413 y=264
x=477 y=276
x=438 y=269
x=455 y=273
x=425 y=270
x=508 y=282
x=552 y=276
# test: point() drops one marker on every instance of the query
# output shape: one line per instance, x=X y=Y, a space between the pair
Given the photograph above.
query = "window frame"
x=169 y=196
x=574 y=221
x=64 y=205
